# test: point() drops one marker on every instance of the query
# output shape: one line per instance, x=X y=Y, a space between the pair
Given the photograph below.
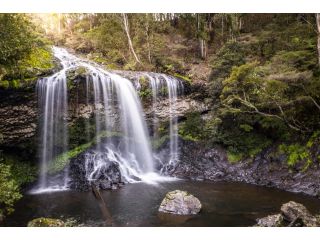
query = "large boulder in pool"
x=181 y=203
x=46 y=222
x=296 y=212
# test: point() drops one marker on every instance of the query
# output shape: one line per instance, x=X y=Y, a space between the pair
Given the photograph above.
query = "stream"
x=136 y=204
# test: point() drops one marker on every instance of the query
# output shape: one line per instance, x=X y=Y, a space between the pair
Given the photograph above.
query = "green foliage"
x=230 y=55
x=234 y=157
x=295 y=153
x=16 y=37
x=305 y=153
x=22 y=171
x=9 y=190
x=192 y=127
x=145 y=93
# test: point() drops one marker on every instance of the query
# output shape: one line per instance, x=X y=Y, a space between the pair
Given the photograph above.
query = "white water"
x=111 y=93
x=173 y=87
x=52 y=93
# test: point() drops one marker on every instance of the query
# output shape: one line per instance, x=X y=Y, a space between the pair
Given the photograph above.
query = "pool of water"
x=224 y=204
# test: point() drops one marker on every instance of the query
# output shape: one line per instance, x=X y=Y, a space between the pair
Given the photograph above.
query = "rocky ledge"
x=199 y=162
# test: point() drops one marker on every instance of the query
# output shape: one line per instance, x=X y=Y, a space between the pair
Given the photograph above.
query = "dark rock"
x=108 y=176
x=181 y=203
x=197 y=161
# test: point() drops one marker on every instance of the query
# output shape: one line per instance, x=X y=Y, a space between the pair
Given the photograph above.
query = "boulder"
x=275 y=220
x=181 y=203
x=46 y=222
x=296 y=212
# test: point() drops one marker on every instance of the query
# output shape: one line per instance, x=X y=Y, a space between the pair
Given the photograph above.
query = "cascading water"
x=112 y=96
x=52 y=93
x=173 y=87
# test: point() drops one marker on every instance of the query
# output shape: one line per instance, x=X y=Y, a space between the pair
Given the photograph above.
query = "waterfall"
x=111 y=95
x=52 y=94
x=173 y=87
x=113 y=98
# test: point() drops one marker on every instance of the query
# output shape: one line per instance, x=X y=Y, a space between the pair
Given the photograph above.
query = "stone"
x=181 y=203
x=46 y=222
x=275 y=220
x=293 y=211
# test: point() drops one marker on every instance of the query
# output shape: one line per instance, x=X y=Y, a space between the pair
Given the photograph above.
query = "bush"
x=9 y=190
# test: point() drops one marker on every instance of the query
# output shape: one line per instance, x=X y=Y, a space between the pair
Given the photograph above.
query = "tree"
x=318 y=28
x=9 y=191
x=127 y=30
x=16 y=37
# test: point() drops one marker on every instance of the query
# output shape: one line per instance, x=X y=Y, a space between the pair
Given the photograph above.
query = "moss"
x=14 y=84
x=40 y=58
x=24 y=73
x=59 y=163
x=234 y=157
x=4 y=84
x=185 y=78
x=46 y=222
x=62 y=160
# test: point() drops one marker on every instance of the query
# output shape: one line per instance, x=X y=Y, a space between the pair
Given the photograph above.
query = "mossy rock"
x=46 y=222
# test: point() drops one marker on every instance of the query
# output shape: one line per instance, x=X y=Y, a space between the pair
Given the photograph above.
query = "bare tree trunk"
x=318 y=28
x=59 y=23
x=126 y=28
x=148 y=43
x=202 y=42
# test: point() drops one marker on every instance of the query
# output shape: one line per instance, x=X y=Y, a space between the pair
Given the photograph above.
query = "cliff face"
x=18 y=118
x=19 y=110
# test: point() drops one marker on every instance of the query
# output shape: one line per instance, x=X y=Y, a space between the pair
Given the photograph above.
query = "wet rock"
x=296 y=212
x=275 y=220
x=181 y=203
x=210 y=163
x=292 y=215
x=107 y=176
x=46 y=222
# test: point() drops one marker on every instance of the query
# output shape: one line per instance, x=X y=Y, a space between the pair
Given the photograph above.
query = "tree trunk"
x=148 y=43
x=318 y=28
x=202 y=42
x=126 y=28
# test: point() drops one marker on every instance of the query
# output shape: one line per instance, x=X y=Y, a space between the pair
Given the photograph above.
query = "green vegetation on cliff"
x=24 y=51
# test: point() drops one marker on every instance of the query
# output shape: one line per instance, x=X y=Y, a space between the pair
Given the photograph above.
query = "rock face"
x=106 y=176
x=292 y=215
x=46 y=222
x=295 y=212
x=181 y=203
x=199 y=162
x=18 y=117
